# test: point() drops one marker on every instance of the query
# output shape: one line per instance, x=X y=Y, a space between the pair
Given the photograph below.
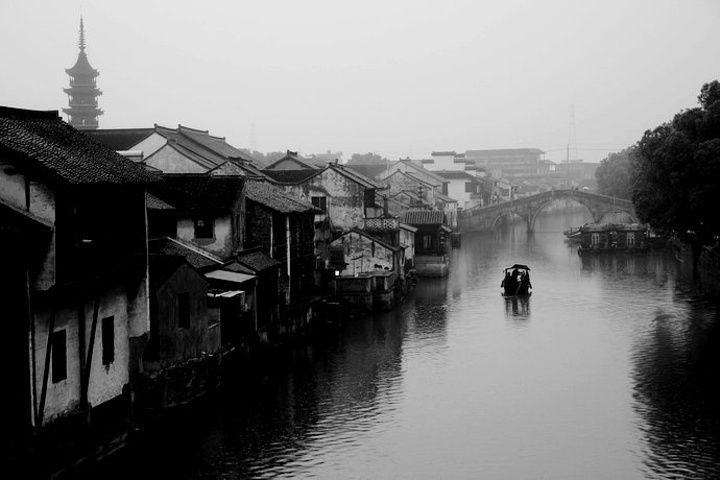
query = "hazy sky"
x=392 y=77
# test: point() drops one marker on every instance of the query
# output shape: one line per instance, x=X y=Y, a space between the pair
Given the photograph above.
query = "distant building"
x=508 y=162
x=83 y=92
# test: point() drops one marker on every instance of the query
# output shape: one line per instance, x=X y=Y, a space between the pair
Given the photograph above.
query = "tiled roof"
x=293 y=157
x=418 y=167
x=194 y=255
x=370 y=171
x=357 y=176
x=47 y=142
x=272 y=197
x=423 y=217
x=445 y=198
x=291 y=177
x=257 y=260
x=154 y=203
x=119 y=138
x=161 y=267
x=193 y=192
x=215 y=144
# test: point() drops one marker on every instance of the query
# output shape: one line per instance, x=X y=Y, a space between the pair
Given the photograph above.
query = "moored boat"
x=516 y=280
x=614 y=237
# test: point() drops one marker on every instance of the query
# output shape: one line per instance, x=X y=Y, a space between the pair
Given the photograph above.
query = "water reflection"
x=677 y=391
x=518 y=307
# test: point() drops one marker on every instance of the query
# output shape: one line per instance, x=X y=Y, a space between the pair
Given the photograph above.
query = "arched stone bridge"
x=479 y=219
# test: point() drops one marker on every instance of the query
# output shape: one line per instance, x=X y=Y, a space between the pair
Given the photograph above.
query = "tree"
x=676 y=175
x=367 y=159
x=614 y=173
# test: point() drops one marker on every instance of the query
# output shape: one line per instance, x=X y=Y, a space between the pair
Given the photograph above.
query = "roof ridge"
x=196 y=249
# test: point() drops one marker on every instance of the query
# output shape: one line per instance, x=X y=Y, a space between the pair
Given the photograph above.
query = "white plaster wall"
x=170 y=160
x=442 y=162
x=42 y=201
x=456 y=191
x=407 y=239
x=355 y=245
x=12 y=186
x=106 y=382
x=221 y=245
x=150 y=145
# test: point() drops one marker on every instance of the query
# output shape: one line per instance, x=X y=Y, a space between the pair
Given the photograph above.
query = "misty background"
x=397 y=78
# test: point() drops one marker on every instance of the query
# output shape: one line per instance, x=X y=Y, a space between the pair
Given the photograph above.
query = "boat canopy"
x=517 y=265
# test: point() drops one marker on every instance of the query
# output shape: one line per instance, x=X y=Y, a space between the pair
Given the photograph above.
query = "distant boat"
x=516 y=280
x=574 y=234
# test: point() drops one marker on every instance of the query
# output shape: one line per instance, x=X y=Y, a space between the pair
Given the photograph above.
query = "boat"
x=516 y=280
x=613 y=238
x=574 y=234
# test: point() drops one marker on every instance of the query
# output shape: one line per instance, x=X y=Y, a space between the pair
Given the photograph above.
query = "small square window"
x=183 y=310
x=108 y=340
x=204 y=227
x=58 y=342
x=320 y=202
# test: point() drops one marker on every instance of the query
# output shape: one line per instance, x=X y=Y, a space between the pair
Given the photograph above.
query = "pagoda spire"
x=82 y=35
x=83 y=92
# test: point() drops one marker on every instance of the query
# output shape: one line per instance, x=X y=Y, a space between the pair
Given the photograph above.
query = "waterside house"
x=75 y=288
x=613 y=237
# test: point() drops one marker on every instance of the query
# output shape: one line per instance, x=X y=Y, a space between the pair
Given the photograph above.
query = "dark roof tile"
x=63 y=152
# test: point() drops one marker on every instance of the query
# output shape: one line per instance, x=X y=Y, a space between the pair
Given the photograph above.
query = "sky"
x=577 y=79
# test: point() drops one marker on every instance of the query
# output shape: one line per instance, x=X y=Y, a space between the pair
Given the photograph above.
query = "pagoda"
x=83 y=112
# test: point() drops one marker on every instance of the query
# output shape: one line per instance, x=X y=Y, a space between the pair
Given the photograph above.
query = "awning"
x=226 y=276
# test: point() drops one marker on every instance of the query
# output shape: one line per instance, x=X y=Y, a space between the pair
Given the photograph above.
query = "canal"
x=608 y=371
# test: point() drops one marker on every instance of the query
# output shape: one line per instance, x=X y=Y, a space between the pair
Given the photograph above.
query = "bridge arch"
x=528 y=208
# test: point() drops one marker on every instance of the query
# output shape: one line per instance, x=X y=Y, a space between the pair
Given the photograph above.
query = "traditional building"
x=172 y=150
x=345 y=196
x=83 y=111
x=73 y=240
x=208 y=211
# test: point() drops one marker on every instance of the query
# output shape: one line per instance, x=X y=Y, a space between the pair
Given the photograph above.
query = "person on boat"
x=516 y=275
x=526 y=280
x=506 y=280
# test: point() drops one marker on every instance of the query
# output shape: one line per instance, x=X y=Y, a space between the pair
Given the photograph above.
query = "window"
x=58 y=341
x=631 y=239
x=108 y=340
x=595 y=239
x=183 y=310
x=445 y=188
x=320 y=202
x=204 y=227
x=469 y=187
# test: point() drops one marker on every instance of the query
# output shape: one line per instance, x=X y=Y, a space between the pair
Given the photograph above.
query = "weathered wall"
x=106 y=381
x=364 y=255
x=176 y=344
x=344 y=197
x=222 y=243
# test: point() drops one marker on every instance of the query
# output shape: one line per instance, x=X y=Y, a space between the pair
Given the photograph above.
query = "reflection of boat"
x=517 y=306
x=516 y=280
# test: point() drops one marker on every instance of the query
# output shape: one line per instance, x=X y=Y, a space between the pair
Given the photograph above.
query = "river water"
x=610 y=370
